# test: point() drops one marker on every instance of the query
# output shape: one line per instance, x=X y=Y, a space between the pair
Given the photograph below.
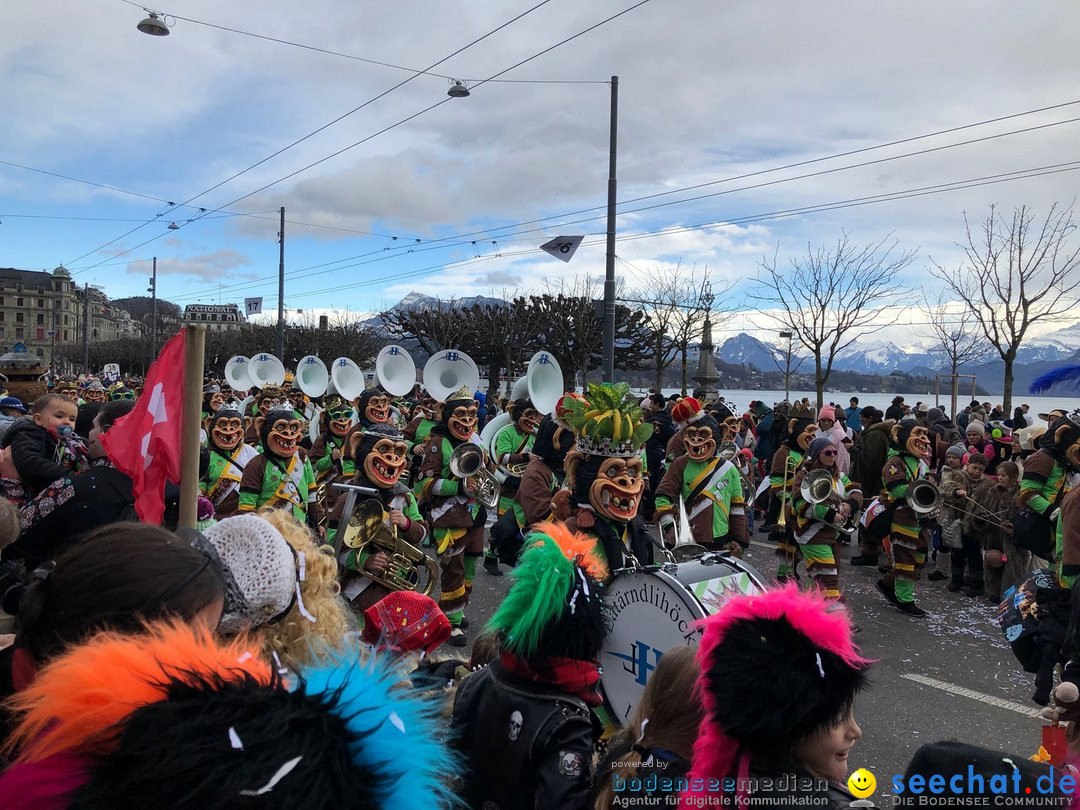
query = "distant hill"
x=141 y=305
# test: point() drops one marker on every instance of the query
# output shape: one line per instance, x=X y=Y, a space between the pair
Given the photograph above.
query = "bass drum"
x=652 y=611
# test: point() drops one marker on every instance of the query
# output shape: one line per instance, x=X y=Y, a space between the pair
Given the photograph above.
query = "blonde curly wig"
x=299 y=642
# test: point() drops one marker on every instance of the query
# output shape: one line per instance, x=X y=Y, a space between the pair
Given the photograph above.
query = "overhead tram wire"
x=355 y=58
x=322 y=128
x=842 y=204
x=518 y=236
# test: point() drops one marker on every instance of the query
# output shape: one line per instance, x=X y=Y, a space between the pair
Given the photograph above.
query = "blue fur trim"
x=415 y=765
x=1051 y=378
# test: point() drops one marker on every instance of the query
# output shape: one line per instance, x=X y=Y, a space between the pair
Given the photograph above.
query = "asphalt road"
x=947 y=676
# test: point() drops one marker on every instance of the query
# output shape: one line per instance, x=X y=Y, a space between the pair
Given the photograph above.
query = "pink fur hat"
x=775 y=668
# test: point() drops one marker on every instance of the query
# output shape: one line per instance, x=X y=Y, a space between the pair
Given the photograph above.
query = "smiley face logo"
x=862 y=783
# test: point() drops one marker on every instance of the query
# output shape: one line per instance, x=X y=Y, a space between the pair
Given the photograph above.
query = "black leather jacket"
x=525 y=745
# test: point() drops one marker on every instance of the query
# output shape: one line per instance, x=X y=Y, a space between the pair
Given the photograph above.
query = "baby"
x=37 y=442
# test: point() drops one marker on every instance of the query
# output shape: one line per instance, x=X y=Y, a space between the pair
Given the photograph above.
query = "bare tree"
x=664 y=300
x=957 y=334
x=693 y=297
x=832 y=296
x=783 y=358
x=1017 y=273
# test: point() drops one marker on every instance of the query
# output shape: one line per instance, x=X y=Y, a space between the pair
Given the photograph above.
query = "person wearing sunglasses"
x=820 y=517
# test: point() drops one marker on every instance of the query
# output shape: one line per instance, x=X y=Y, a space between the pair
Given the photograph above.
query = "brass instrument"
x=469 y=463
x=407 y=564
x=923 y=498
x=817 y=488
x=789 y=471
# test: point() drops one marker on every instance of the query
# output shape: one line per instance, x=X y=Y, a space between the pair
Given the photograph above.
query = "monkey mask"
x=526 y=417
x=225 y=428
x=382 y=453
x=280 y=432
x=702 y=437
x=459 y=417
x=912 y=438
x=374 y=407
x=1062 y=440
x=337 y=417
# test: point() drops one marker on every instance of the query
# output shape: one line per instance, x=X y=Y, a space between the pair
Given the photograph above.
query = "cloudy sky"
x=418 y=191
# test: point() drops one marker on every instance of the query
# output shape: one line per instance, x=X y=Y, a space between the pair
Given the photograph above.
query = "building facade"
x=36 y=307
x=215 y=317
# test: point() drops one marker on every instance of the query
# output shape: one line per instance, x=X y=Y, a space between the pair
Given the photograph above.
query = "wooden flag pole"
x=194 y=349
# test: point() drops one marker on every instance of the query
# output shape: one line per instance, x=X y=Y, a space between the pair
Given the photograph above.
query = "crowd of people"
x=288 y=650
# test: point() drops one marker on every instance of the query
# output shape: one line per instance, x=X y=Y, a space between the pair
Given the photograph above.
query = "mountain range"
x=921 y=357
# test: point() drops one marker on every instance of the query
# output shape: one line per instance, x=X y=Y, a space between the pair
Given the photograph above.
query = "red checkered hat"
x=405 y=621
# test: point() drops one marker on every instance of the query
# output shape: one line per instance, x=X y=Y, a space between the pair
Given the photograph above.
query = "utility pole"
x=153 y=313
x=86 y=329
x=609 y=269
x=281 y=290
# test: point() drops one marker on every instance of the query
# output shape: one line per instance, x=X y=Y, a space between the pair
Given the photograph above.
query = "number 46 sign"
x=562 y=247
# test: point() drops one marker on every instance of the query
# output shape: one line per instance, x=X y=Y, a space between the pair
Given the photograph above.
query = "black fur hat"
x=544 y=445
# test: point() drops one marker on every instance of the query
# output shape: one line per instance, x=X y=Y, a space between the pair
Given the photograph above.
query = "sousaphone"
x=544 y=380
x=447 y=371
x=347 y=378
x=236 y=373
x=395 y=370
x=312 y=376
x=265 y=369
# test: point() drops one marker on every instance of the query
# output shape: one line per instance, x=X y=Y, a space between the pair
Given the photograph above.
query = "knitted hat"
x=775 y=668
x=687 y=410
x=975 y=426
x=924 y=407
x=827 y=412
x=404 y=621
x=260 y=571
x=934 y=414
x=817 y=445
x=956 y=450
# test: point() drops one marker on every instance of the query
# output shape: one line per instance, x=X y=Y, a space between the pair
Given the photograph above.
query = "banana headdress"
x=607 y=421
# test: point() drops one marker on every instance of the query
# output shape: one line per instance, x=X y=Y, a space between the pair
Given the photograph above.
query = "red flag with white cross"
x=145 y=444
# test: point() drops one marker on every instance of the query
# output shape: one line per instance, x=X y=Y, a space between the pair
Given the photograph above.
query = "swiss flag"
x=145 y=444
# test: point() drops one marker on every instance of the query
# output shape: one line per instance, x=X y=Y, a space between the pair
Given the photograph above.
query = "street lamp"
x=787 y=366
x=153 y=25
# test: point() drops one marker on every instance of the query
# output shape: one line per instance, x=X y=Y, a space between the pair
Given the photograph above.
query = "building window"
x=19 y=316
x=41 y=303
x=18 y=302
x=40 y=352
x=95 y=333
x=40 y=334
x=18 y=333
x=1 y=331
x=41 y=320
x=65 y=320
x=66 y=338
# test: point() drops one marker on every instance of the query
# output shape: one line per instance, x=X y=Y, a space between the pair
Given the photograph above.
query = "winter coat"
x=895 y=412
x=873 y=448
x=524 y=743
x=538 y=485
x=996 y=504
x=34 y=452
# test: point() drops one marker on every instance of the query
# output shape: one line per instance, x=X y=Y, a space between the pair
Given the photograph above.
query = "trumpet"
x=469 y=463
x=407 y=566
x=789 y=471
x=816 y=488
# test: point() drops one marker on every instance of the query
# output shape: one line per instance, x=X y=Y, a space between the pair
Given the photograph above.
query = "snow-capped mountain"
x=877 y=357
x=746 y=350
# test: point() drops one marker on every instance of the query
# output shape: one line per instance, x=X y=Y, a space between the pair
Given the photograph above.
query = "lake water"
x=1039 y=404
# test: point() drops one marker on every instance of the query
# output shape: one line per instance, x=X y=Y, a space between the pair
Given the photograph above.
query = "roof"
x=29 y=278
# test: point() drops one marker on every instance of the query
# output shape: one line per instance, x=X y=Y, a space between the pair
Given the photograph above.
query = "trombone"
x=789 y=472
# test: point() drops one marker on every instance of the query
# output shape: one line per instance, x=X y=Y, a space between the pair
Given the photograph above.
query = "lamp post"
x=153 y=313
x=787 y=366
x=281 y=290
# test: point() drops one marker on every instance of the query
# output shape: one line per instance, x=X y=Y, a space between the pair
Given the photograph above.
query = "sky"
x=387 y=194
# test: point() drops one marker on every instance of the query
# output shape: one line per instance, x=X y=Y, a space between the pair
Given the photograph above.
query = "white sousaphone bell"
x=265 y=369
x=236 y=373
x=447 y=371
x=395 y=371
x=312 y=376
x=347 y=379
x=544 y=380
